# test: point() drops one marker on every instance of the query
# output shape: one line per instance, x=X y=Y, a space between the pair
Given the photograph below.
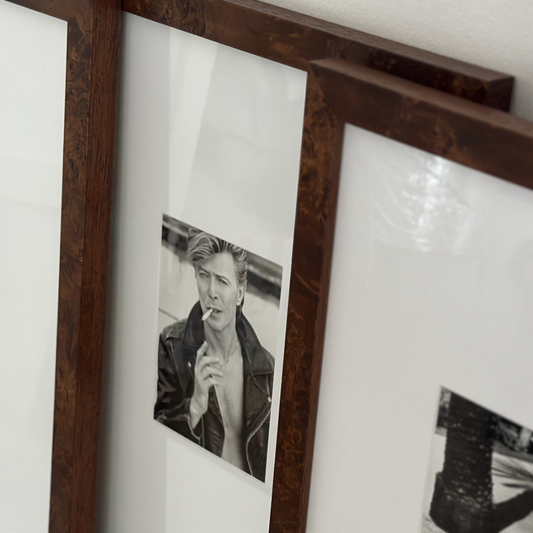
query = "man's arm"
x=206 y=371
x=172 y=407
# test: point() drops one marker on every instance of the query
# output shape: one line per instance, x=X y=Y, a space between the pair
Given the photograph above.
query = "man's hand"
x=206 y=371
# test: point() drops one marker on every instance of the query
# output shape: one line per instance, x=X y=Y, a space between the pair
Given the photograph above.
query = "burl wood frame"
x=334 y=95
x=295 y=40
x=90 y=92
x=484 y=139
x=487 y=140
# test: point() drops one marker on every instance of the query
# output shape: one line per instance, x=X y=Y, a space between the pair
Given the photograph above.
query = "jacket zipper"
x=258 y=426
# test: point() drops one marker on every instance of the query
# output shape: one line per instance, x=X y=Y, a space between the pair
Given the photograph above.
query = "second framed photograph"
x=428 y=345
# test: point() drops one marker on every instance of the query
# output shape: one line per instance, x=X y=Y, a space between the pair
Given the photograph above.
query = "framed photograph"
x=59 y=62
x=436 y=210
x=213 y=135
x=212 y=145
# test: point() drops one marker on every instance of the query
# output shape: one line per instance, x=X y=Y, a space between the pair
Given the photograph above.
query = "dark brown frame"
x=296 y=40
x=487 y=140
x=277 y=34
x=341 y=92
x=90 y=92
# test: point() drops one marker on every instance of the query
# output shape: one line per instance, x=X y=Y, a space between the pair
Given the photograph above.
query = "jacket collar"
x=259 y=360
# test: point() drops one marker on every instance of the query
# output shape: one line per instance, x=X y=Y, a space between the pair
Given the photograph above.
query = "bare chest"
x=230 y=395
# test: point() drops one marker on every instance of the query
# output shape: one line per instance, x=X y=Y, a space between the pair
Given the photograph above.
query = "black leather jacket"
x=178 y=344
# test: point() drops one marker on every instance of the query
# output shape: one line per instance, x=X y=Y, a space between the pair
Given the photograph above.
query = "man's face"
x=218 y=290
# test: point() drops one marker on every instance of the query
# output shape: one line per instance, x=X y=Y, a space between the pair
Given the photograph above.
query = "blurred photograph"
x=218 y=317
x=481 y=471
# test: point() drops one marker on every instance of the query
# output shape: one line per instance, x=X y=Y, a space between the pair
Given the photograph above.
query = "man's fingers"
x=202 y=362
x=201 y=351
x=211 y=371
x=207 y=368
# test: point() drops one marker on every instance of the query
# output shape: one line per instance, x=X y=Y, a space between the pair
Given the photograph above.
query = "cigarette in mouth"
x=206 y=315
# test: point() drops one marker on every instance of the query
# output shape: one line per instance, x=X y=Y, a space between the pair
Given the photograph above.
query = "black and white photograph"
x=481 y=471
x=218 y=316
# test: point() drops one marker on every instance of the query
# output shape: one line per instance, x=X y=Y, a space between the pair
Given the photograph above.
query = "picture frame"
x=89 y=139
x=293 y=39
x=489 y=141
x=92 y=72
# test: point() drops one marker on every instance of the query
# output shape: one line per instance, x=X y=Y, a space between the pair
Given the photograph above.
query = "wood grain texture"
x=311 y=265
x=61 y=9
x=64 y=457
x=294 y=39
x=288 y=38
x=488 y=140
x=338 y=92
x=90 y=108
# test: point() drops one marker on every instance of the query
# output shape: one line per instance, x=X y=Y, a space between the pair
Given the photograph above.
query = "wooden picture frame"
x=486 y=140
x=279 y=35
x=295 y=40
x=89 y=138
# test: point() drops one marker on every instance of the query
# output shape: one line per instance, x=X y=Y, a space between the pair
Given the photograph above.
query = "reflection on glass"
x=431 y=287
x=427 y=204
x=32 y=88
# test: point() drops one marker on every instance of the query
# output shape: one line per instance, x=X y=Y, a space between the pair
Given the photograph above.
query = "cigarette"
x=206 y=315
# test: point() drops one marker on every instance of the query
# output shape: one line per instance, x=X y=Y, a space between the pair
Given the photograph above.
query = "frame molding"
x=340 y=92
x=296 y=40
x=306 y=322
x=487 y=140
x=91 y=93
x=337 y=60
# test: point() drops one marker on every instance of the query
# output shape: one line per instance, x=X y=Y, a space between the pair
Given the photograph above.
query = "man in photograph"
x=215 y=379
